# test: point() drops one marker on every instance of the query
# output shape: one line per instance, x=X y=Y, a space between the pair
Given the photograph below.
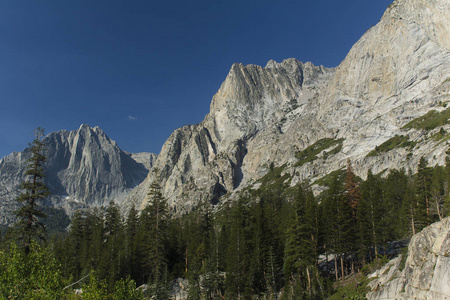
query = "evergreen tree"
x=394 y=191
x=423 y=190
x=132 y=265
x=371 y=215
x=438 y=193
x=111 y=260
x=352 y=192
x=154 y=220
x=300 y=268
x=410 y=208
x=340 y=238
x=238 y=279
x=29 y=225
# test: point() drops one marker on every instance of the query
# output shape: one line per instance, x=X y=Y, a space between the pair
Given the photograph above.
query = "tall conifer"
x=29 y=225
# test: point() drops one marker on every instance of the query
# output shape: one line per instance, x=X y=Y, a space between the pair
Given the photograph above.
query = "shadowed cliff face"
x=83 y=168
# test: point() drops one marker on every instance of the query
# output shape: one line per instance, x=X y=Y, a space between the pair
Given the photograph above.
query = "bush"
x=33 y=276
x=430 y=120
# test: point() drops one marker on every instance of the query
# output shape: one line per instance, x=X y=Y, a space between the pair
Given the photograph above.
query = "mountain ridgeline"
x=384 y=107
x=83 y=168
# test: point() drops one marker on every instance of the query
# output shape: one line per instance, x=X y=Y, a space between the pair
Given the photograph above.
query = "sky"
x=140 y=69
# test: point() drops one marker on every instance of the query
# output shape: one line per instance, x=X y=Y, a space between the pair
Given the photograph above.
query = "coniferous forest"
x=275 y=242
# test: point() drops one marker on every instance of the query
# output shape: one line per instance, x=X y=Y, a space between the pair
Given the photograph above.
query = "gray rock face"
x=205 y=161
x=83 y=168
x=397 y=71
x=426 y=272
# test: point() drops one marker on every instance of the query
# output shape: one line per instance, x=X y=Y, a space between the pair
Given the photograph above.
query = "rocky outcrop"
x=205 y=161
x=424 y=274
x=84 y=168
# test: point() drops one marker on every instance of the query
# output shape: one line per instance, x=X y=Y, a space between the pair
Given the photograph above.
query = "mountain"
x=383 y=107
x=367 y=109
x=84 y=168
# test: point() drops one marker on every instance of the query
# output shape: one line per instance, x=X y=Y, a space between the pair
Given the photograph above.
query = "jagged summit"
x=265 y=115
x=84 y=167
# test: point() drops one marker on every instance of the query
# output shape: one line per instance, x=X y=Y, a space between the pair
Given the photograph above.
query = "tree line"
x=268 y=244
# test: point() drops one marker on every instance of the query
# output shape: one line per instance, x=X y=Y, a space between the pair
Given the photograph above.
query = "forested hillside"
x=276 y=240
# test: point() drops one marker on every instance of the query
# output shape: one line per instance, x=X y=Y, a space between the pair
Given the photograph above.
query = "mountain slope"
x=204 y=161
x=83 y=168
x=399 y=70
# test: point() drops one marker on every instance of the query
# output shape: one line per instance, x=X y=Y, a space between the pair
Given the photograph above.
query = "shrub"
x=33 y=276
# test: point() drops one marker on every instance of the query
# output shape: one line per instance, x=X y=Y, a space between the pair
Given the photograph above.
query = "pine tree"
x=238 y=279
x=394 y=191
x=371 y=214
x=300 y=252
x=352 y=192
x=154 y=220
x=29 y=225
x=423 y=186
x=438 y=193
x=131 y=253
x=337 y=213
x=111 y=261
x=410 y=208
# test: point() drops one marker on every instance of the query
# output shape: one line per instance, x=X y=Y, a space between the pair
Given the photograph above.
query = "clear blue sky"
x=140 y=69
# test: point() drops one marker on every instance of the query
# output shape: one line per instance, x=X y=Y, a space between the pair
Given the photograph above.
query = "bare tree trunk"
x=336 y=268
x=438 y=208
x=309 y=281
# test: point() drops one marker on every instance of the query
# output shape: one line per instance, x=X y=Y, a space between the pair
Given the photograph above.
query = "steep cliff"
x=423 y=274
x=205 y=161
x=398 y=71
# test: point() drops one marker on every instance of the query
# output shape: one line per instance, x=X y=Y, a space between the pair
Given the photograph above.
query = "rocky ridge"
x=423 y=274
x=84 y=168
x=205 y=161
x=398 y=71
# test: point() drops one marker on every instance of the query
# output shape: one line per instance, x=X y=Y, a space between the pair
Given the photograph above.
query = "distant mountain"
x=84 y=168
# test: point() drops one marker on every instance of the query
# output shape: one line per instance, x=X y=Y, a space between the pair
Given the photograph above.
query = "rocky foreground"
x=423 y=274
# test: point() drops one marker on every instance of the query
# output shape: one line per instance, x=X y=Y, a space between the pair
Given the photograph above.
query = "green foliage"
x=430 y=120
x=398 y=141
x=95 y=289
x=351 y=291
x=33 y=276
x=327 y=180
x=125 y=289
x=273 y=177
x=265 y=244
x=441 y=136
x=375 y=264
x=56 y=221
x=310 y=153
